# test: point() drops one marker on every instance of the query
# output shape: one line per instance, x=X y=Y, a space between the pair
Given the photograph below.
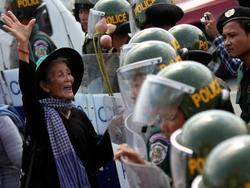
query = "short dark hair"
x=245 y=25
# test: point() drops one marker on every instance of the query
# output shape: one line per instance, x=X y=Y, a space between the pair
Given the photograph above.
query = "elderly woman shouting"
x=62 y=148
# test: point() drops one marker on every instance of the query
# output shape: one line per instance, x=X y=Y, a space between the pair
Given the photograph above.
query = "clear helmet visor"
x=134 y=137
x=94 y=17
x=145 y=175
x=131 y=77
x=179 y=156
x=159 y=99
x=132 y=24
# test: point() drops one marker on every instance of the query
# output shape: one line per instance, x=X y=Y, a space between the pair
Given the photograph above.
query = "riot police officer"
x=227 y=165
x=191 y=145
x=116 y=13
x=159 y=13
x=81 y=12
x=175 y=94
x=40 y=43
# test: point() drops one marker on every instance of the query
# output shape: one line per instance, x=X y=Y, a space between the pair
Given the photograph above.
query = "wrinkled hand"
x=130 y=154
x=20 y=31
x=210 y=25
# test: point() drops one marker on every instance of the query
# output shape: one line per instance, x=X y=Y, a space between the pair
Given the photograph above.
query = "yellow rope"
x=101 y=64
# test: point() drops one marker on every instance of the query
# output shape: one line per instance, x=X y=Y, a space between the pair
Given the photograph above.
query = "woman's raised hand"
x=20 y=31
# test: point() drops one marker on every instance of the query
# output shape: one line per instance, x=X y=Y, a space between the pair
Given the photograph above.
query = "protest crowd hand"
x=130 y=154
x=210 y=25
x=20 y=31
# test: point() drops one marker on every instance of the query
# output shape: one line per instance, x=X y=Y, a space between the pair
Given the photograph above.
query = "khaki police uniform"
x=243 y=93
x=40 y=44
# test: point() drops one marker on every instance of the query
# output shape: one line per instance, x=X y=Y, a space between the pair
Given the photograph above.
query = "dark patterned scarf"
x=70 y=170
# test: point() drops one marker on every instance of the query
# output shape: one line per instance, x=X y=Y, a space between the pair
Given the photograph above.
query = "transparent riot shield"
x=115 y=112
x=134 y=137
x=145 y=176
x=93 y=82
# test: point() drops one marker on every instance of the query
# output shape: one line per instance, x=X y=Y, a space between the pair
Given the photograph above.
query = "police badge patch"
x=40 y=48
x=158 y=153
x=229 y=13
x=158 y=148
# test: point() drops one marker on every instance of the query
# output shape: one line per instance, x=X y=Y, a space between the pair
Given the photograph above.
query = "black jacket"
x=38 y=162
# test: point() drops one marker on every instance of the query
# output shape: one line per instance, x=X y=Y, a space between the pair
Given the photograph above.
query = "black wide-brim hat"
x=123 y=28
x=75 y=64
x=232 y=14
x=164 y=13
x=200 y=56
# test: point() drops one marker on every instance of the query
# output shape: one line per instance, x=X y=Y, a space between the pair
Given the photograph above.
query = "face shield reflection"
x=94 y=17
x=131 y=77
x=179 y=157
x=198 y=182
x=159 y=99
